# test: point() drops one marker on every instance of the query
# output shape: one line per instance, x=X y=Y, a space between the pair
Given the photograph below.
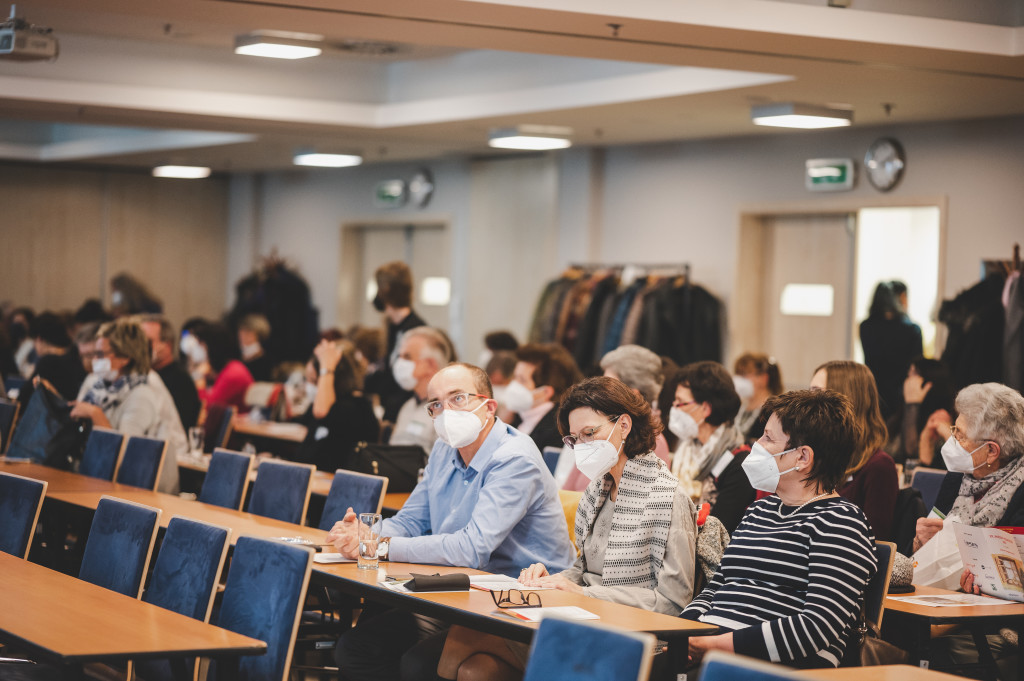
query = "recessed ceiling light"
x=327 y=160
x=806 y=116
x=531 y=138
x=182 y=172
x=279 y=45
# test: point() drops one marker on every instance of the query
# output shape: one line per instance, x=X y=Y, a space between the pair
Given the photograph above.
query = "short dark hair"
x=481 y=381
x=501 y=340
x=503 y=361
x=710 y=382
x=824 y=421
x=553 y=366
x=48 y=328
x=221 y=347
x=394 y=284
x=612 y=397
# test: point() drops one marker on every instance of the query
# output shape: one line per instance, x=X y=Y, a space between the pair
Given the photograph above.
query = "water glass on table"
x=195 y=441
x=369 y=536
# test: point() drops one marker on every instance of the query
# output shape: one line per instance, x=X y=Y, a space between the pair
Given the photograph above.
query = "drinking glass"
x=369 y=535
x=195 y=441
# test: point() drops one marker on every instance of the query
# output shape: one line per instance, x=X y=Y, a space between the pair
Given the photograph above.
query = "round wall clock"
x=884 y=163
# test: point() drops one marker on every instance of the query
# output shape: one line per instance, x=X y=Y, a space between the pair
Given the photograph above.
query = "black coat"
x=950 y=489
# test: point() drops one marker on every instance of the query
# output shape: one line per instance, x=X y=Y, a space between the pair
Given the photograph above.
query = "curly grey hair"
x=637 y=367
x=994 y=412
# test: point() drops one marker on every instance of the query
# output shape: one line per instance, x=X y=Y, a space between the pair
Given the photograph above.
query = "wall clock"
x=884 y=163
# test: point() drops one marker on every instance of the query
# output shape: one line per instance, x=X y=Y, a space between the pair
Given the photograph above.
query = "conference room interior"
x=666 y=169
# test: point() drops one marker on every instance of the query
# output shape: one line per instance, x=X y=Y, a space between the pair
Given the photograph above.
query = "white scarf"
x=108 y=395
x=640 y=523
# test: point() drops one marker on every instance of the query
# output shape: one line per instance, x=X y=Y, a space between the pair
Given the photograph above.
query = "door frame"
x=745 y=318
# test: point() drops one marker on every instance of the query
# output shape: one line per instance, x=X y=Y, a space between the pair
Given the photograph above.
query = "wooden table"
x=62 y=481
x=68 y=621
x=884 y=672
x=919 y=618
x=270 y=430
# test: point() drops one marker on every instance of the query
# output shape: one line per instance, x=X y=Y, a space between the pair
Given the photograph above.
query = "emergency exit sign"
x=829 y=174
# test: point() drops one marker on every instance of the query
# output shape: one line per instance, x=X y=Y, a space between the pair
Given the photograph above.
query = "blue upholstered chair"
x=185 y=576
x=217 y=425
x=722 y=666
x=878 y=586
x=362 y=492
x=263 y=597
x=8 y=417
x=551 y=456
x=226 y=479
x=585 y=651
x=120 y=544
x=143 y=458
x=281 y=490
x=928 y=482
x=20 y=502
x=102 y=452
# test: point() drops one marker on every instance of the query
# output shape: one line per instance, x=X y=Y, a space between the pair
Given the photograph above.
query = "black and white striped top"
x=791 y=581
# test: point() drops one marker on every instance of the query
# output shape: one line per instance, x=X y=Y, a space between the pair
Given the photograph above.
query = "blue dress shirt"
x=500 y=513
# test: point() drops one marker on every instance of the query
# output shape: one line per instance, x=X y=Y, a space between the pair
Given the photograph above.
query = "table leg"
x=985 y=658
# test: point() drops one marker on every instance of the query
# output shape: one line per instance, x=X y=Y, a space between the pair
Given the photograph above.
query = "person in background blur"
x=175 y=377
x=89 y=312
x=890 y=341
x=59 y=363
x=18 y=322
x=226 y=378
x=424 y=351
x=870 y=481
x=494 y=342
x=85 y=343
x=500 y=368
x=928 y=398
x=253 y=332
x=640 y=369
x=130 y=296
x=543 y=372
x=341 y=416
x=757 y=378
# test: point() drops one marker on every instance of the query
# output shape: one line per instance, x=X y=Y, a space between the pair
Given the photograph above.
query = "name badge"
x=321 y=433
x=415 y=428
x=722 y=463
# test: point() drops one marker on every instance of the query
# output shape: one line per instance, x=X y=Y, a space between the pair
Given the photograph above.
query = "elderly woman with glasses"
x=635 y=527
x=983 y=457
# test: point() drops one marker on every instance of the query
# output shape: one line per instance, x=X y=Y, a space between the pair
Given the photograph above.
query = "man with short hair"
x=543 y=372
x=486 y=501
x=175 y=377
x=424 y=351
x=58 y=364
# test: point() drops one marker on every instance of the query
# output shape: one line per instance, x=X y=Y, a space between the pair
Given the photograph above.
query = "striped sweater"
x=791 y=581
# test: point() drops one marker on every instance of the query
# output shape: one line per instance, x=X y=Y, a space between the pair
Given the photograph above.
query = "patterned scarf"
x=640 y=523
x=108 y=395
x=998 y=488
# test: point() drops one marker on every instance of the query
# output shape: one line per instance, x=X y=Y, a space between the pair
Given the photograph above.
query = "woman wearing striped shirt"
x=791 y=582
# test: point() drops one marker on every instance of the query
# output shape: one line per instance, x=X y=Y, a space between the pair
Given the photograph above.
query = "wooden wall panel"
x=51 y=236
x=171 y=235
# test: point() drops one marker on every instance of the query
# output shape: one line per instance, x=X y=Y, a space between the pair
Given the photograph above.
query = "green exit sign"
x=829 y=174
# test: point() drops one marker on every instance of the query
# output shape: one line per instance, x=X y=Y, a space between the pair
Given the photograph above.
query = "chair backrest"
x=721 y=666
x=20 y=501
x=120 y=545
x=927 y=481
x=578 y=651
x=551 y=456
x=13 y=382
x=281 y=490
x=362 y=492
x=878 y=586
x=142 y=462
x=217 y=425
x=102 y=453
x=8 y=417
x=226 y=479
x=570 y=501
x=263 y=599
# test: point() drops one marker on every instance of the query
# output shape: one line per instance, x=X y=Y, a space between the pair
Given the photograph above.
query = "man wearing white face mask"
x=424 y=350
x=486 y=501
x=543 y=372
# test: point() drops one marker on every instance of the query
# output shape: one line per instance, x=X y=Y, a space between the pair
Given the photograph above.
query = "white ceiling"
x=140 y=82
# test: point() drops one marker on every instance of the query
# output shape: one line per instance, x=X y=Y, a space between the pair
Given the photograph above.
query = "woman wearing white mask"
x=983 y=456
x=711 y=449
x=757 y=377
x=124 y=394
x=791 y=581
x=635 y=528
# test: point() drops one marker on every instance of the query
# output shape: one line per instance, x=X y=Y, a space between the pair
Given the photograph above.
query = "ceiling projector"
x=22 y=41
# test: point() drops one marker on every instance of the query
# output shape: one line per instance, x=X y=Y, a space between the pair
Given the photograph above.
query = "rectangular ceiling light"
x=803 y=116
x=182 y=172
x=279 y=45
x=530 y=138
x=327 y=160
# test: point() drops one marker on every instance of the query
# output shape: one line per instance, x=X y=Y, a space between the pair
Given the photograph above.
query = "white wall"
x=655 y=203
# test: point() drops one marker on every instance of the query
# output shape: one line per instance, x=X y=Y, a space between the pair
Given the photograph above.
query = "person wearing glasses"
x=635 y=526
x=709 y=459
x=486 y=501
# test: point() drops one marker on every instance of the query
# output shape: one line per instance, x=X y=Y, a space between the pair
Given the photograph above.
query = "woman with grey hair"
x=983 y=456
x=640 y=369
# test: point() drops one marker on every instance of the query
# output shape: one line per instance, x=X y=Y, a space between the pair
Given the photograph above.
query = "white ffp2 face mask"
x=458 y=428
x=682 y=424
x=744 y=387
x=594 y=459
x=403 y=370
x=956 y=458
x=762 y=469
x=518 y=397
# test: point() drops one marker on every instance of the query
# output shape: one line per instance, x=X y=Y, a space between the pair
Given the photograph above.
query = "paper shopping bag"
x=938 y=563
